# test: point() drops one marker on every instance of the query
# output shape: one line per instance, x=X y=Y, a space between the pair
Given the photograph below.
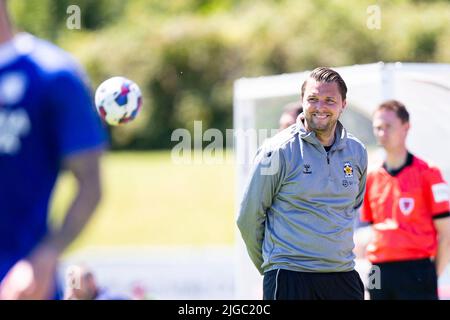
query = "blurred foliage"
x=186 y=54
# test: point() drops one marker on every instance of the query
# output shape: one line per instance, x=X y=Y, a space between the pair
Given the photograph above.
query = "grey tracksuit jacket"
x=300 y=203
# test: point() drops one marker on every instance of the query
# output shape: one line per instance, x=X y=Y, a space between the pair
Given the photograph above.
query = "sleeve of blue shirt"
x=77 y=125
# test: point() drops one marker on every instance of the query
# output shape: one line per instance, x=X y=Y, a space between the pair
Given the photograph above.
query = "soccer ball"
x=118 y=100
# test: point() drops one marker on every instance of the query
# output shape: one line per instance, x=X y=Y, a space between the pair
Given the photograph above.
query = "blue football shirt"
x=46 y=114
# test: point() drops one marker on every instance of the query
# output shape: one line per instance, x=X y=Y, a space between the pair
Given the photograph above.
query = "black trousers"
x=283 y=284
x=406 y=280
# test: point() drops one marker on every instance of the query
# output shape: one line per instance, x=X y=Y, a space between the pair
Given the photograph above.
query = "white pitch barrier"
x=163 y=273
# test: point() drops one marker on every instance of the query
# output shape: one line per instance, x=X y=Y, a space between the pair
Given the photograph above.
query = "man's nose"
x=320 y=105
x=380 y=133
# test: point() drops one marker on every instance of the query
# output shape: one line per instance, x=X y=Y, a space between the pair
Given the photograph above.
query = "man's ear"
x=344 y=104
x=407 y=126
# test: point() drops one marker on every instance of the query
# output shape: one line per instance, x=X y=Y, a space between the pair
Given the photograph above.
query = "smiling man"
x=299 y=207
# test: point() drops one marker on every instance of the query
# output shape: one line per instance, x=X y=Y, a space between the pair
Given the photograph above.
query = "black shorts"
x=283 y=284
x=406 y=280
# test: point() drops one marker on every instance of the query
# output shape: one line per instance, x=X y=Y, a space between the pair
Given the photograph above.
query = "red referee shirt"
x=401 y=206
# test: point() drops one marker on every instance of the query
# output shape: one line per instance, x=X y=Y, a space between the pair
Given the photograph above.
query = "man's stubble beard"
x=322 y=130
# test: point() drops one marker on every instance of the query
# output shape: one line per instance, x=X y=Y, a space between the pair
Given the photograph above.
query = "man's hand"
x=32 y=278
x=362 y=237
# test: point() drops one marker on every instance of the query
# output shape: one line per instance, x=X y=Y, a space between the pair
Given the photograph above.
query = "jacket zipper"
x=328 y=162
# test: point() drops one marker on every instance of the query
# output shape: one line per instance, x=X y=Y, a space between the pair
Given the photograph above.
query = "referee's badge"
x=348 y=170
x=406 y=205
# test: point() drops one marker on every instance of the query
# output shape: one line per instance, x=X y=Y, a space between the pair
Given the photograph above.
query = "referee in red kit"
x=407 y=203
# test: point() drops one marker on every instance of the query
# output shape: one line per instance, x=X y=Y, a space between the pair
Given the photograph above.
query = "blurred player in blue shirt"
x=47 y=124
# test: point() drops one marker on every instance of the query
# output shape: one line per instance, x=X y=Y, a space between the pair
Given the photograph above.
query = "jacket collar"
x=310 y=136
